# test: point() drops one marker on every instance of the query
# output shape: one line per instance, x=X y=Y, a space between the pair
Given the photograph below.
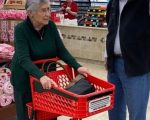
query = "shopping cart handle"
x=100 y=95
x=38 y=88
x=45 y=60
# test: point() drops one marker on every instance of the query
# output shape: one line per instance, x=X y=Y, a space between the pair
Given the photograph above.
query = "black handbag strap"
x=44 y=63
x=56 y=63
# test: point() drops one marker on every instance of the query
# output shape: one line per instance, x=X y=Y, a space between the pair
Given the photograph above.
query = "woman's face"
x=42 y=15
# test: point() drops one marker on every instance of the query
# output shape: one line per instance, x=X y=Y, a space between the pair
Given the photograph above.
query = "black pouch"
x=81 y=86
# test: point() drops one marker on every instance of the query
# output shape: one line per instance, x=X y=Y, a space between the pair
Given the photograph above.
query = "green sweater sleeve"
x=23 y=53
x=63 y=53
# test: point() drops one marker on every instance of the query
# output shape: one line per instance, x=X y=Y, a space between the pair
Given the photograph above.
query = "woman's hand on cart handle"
x=47 y=82
x=84 y=71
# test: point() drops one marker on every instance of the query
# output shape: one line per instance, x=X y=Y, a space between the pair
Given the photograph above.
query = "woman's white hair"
x=33 y=5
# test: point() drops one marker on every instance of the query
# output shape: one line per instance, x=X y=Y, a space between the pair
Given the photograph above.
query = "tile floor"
x=98 y=70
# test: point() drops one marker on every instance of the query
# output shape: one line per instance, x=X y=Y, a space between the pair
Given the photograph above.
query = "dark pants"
x=132 y=92
x=21 y=99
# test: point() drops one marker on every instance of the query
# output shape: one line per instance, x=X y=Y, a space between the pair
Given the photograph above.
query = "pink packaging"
x=3 y=26
x=13 y=14
x=5 y=100
x=4 y=37
x=1 y=4
x=8 y=88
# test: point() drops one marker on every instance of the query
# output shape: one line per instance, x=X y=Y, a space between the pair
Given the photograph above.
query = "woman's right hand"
x=47 y=82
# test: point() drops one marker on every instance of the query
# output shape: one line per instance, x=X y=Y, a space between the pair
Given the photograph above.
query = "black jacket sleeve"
x=108 y=11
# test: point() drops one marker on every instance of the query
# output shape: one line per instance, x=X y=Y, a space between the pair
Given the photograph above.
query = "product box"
x=7 y=30
x=1 y=4
x=15 y=4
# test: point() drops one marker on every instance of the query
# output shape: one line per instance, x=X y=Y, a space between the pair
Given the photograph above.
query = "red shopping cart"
x=62 y=102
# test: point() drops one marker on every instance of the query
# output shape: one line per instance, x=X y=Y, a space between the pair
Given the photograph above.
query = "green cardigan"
x=29 y=46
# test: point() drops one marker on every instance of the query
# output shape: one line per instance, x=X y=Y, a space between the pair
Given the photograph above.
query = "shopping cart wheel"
x=33 y=115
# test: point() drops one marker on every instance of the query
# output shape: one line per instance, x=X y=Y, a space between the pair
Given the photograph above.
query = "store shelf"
x=99 y=2
x=55 y=4
x=17 y=4
x=95 y=17
x=83 y=7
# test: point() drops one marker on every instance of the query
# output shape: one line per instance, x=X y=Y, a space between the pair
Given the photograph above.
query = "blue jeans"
x=132 y=92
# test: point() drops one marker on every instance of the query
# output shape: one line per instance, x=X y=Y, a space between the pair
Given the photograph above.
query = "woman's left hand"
x=84 y=71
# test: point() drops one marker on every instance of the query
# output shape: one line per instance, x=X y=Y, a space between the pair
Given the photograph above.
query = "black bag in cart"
x=80 y=86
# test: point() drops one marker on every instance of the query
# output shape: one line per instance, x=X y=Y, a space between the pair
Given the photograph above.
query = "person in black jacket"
x=128 y=57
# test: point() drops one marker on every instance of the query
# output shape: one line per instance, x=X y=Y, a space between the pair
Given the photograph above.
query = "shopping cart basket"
x=60 y=101
x=39 y=115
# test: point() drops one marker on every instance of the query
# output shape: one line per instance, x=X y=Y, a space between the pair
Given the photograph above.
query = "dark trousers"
x=21 y=99
x=132 y=92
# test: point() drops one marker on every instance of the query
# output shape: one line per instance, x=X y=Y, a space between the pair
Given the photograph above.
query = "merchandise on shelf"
x=55 y=4
x=83 y=7
x=95 y=17
x=15 y=4
x=1 y=4
x=8 y=19
x=6 y=89
x=96 y=3
x=13 y=14
x=7 y=50
x=7 y=30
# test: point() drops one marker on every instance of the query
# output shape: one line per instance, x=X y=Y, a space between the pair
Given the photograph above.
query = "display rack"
x=97 y=3
x=83 y=6
x=6 y=36
x=96 y=17
x=55 y=4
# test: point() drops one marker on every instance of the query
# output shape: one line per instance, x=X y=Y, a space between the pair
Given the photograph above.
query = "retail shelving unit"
x=96 y=17
x=96 y=14
x=83 y=6
x=96 y=3
x=55 y=4
x=14 y=4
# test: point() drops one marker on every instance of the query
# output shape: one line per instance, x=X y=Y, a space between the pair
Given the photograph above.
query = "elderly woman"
x=36 y=38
